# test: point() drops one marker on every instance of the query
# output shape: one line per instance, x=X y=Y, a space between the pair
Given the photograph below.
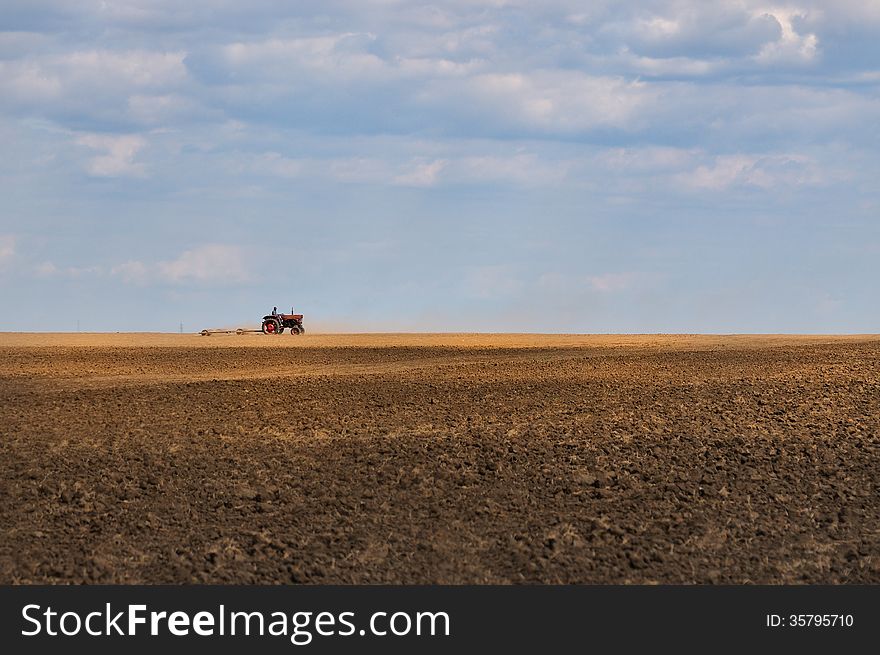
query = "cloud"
x=274 y=164
x=81 y=87
x=405 y=162
x=7 y=250
x=423 y=174
x=142 y=69
x=206 y=264
x=356 y=170
x=790 y=47
x=613 y=282
x=545 y=101
x=26 y=83
x=492 y=282
x=337 y=55
x=646 y=159
x=760 y=171
x=413 y=164
x=118 y=158
x=48 y=269
x=158 y=109
x=609 y=283
x=690 y=29
x=671 y=66
x=132 y=272
x=520 y=169
x=504 y=70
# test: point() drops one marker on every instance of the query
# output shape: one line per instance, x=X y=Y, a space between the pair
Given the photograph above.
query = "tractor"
x=275 y=323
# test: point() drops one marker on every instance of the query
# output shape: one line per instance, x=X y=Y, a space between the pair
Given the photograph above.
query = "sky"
x=381 y=165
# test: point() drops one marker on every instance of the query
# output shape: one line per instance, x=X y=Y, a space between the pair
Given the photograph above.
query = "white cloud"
x=694 y=29
x=89 y=80
x=761 y=171
x=657 y=27
x=346 y=56
x=338 y=55
x=135 y=68
x=563 y=284
x=411 y=164
x=613 y=282
x=552 y=101
x=157 y=109
x=14 y=42
x=118 y=157
x=208 y=263
x=630 y=171
x=49 y=269
x=423 y=174
x=275 y=164
x=646 y=159
x=27 y=82
x=671 y=66
x=356 y=170
x=521 y=169
x=131 y=272
x=492 y=282
x=7 y=249
x=46 y=269
x=791 y=47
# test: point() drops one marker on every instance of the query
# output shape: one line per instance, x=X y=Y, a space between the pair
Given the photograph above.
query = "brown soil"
x=439 y=459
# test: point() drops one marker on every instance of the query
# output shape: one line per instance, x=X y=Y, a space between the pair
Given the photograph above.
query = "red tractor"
x=275 y=323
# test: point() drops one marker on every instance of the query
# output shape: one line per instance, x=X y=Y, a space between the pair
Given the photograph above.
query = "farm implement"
x=273 y=323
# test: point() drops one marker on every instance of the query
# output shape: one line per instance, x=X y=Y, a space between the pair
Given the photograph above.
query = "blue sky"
x=657 y=166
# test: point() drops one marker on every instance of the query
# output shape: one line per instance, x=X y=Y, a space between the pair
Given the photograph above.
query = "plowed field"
x=135 y=458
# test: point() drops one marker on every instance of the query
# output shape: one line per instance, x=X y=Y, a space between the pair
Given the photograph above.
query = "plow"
x=208 y=333
x=273 y=323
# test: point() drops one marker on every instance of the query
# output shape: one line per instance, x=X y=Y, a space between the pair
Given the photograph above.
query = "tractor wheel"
x=294 y=330
x=302 y=330
x=270 y=327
